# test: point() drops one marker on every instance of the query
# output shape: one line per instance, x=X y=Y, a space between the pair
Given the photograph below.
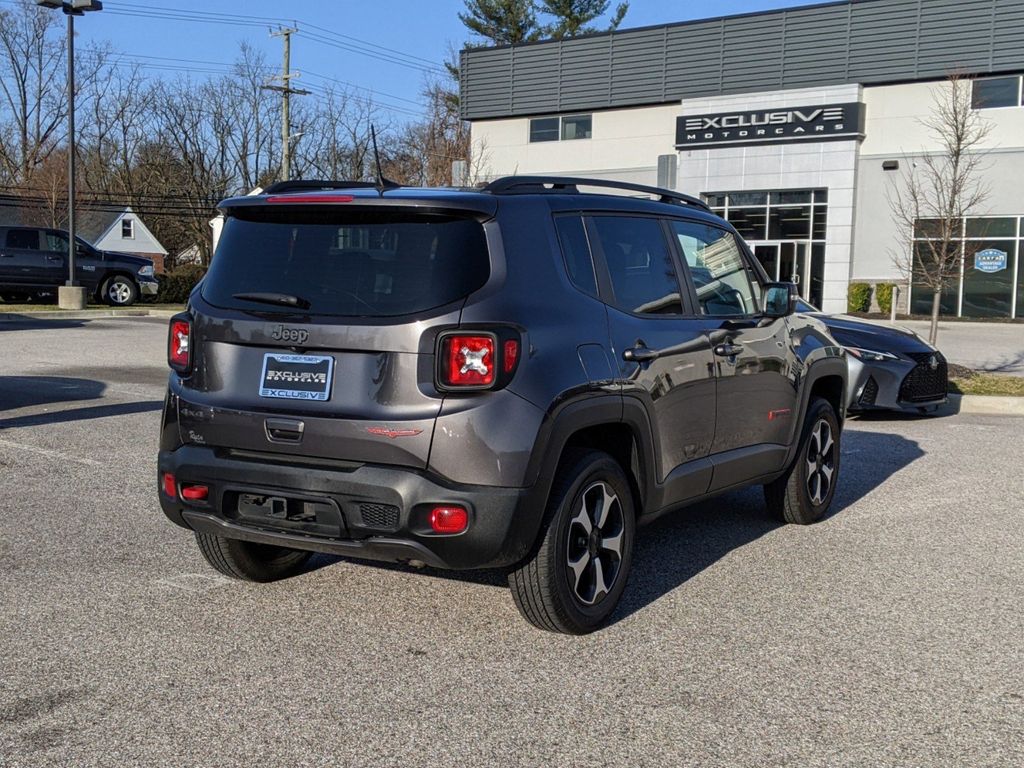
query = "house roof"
x=90 y=224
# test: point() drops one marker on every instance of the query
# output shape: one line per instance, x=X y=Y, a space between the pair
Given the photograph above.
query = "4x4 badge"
x=282 y=333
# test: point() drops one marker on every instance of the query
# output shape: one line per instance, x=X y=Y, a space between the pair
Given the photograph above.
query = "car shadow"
x=679 y=545
x=18 y=392
x=11 y=321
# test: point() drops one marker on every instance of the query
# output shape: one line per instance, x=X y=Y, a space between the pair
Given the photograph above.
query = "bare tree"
x=937 y=190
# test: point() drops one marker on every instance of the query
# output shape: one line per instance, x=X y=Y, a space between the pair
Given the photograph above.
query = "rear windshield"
x=365 y=264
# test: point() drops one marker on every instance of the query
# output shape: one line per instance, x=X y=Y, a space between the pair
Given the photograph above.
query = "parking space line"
x=49 y=453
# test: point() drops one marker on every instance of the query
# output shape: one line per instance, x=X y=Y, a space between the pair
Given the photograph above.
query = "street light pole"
x=71 y=150
x=71 y=295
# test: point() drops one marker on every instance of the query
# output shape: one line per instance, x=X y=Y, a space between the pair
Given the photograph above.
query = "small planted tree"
x=937 y=190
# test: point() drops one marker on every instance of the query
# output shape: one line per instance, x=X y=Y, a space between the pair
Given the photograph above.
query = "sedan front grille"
x=928 y=380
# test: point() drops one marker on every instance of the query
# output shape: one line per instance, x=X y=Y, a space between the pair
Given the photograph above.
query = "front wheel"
x=249 y=561
x=574 y=581
x=804 y=494
x=120 y=291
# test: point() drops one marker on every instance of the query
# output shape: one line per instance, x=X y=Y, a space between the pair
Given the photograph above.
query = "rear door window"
x=363 y=264
x=640 y=267
x=26 y=239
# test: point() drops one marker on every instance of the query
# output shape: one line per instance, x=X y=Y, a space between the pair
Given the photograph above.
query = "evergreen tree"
x=572 y=17
x=502 y=22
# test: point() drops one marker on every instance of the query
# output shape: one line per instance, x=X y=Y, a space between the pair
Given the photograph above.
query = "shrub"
x=883 y=295
x=859 y=298
x=177 y=284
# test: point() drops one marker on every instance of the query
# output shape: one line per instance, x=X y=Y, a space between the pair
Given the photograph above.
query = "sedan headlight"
x=870 y=355
x=146 y=271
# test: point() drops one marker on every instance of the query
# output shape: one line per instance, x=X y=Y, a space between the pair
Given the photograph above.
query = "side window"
x=639 y=265
x=576 y=253
x=23 y=238
x=56 y=242
x=719 y=273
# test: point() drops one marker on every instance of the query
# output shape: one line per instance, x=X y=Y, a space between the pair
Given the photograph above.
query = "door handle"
x=640 y=355
x=284 y=430
x=728 y=350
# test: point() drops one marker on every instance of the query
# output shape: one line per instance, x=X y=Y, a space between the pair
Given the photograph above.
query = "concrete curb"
x=987 y=404
x=85 y=314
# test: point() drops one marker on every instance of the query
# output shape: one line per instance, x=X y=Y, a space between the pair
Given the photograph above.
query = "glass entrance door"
x=788 y=261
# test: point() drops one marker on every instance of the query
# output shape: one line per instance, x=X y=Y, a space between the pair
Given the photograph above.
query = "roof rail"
x=568 y=185
x=305 y=185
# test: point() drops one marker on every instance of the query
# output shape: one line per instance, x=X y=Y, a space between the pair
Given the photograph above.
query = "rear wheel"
x=804 y=494
x=248 y=561
x=120 y=291
x=574 y=581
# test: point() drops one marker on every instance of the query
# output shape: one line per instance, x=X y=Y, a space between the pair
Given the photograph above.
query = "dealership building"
x=796 y=125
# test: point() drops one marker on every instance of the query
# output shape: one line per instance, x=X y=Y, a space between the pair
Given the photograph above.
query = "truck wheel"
x=575 y=579
x=120 y=291
x=248 y=561
x=805 y=492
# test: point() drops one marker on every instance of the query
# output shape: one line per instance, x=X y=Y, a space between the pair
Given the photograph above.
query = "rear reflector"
x=449 y=520
x=468 y=361
x=194 y=492
x=511 y=356
x=170 y=486
x=323 y=198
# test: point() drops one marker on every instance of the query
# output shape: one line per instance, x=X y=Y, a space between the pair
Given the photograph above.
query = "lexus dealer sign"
x=767 y=126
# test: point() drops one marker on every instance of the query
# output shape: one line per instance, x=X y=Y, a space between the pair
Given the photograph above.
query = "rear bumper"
x=503 y=521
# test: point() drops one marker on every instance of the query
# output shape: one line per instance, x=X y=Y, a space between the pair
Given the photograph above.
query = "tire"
x=248 y=561
x=549 y=592
x=120 y=291
x=804 y=493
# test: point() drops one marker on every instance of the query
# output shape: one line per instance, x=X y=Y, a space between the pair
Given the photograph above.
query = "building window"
x=989 y=251
x=786 y=231
x=992 y=92
x=127 y=229
x=565 y=128
x=576 y=127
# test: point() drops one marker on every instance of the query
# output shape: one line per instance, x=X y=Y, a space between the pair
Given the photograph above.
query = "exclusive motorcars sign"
x=990 y=260
x=769 y=126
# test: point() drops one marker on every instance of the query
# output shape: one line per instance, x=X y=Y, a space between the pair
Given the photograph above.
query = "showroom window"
x=989 y=253
x=566 y=128
x=992 y=92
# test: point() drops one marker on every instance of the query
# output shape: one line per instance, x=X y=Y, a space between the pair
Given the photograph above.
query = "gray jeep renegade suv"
x=511 y=377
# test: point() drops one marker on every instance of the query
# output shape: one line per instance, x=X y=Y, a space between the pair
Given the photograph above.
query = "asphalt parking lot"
x=889 y=634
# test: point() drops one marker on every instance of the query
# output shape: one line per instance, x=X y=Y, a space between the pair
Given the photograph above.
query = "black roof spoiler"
x=309 y=185
x=567 y=185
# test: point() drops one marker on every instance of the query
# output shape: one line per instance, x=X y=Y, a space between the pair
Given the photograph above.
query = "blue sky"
x=335 y=36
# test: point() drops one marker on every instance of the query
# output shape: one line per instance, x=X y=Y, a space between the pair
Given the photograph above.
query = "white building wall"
x=625 y=146
x=828 y=165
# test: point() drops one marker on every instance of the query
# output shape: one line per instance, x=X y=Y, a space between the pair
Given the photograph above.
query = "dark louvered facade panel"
x=864 y=41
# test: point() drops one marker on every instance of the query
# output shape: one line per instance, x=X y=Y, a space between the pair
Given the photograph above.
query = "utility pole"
x=286 y=91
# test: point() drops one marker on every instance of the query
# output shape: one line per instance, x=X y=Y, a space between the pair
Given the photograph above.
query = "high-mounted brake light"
x=325 y=198
x=468 y=360
x=179 y=345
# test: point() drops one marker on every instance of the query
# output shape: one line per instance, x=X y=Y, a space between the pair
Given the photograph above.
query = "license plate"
x=296 y=377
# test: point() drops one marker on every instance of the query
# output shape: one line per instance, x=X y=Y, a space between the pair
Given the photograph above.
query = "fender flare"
x=830 y=365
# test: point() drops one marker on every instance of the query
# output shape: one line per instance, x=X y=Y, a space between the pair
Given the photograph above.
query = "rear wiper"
x=281 y=299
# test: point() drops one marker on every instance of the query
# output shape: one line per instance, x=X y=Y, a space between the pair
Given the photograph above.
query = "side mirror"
x=779 y=300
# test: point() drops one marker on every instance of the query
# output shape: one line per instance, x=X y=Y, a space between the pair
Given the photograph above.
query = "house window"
x=564 y=128
x=127 y=229
x=992 y=92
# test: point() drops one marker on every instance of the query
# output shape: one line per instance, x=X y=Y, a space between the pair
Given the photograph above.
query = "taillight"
x=449 y=519
x=468 y=360
x=170 y=486
x=476 y=359
x=179 y=345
